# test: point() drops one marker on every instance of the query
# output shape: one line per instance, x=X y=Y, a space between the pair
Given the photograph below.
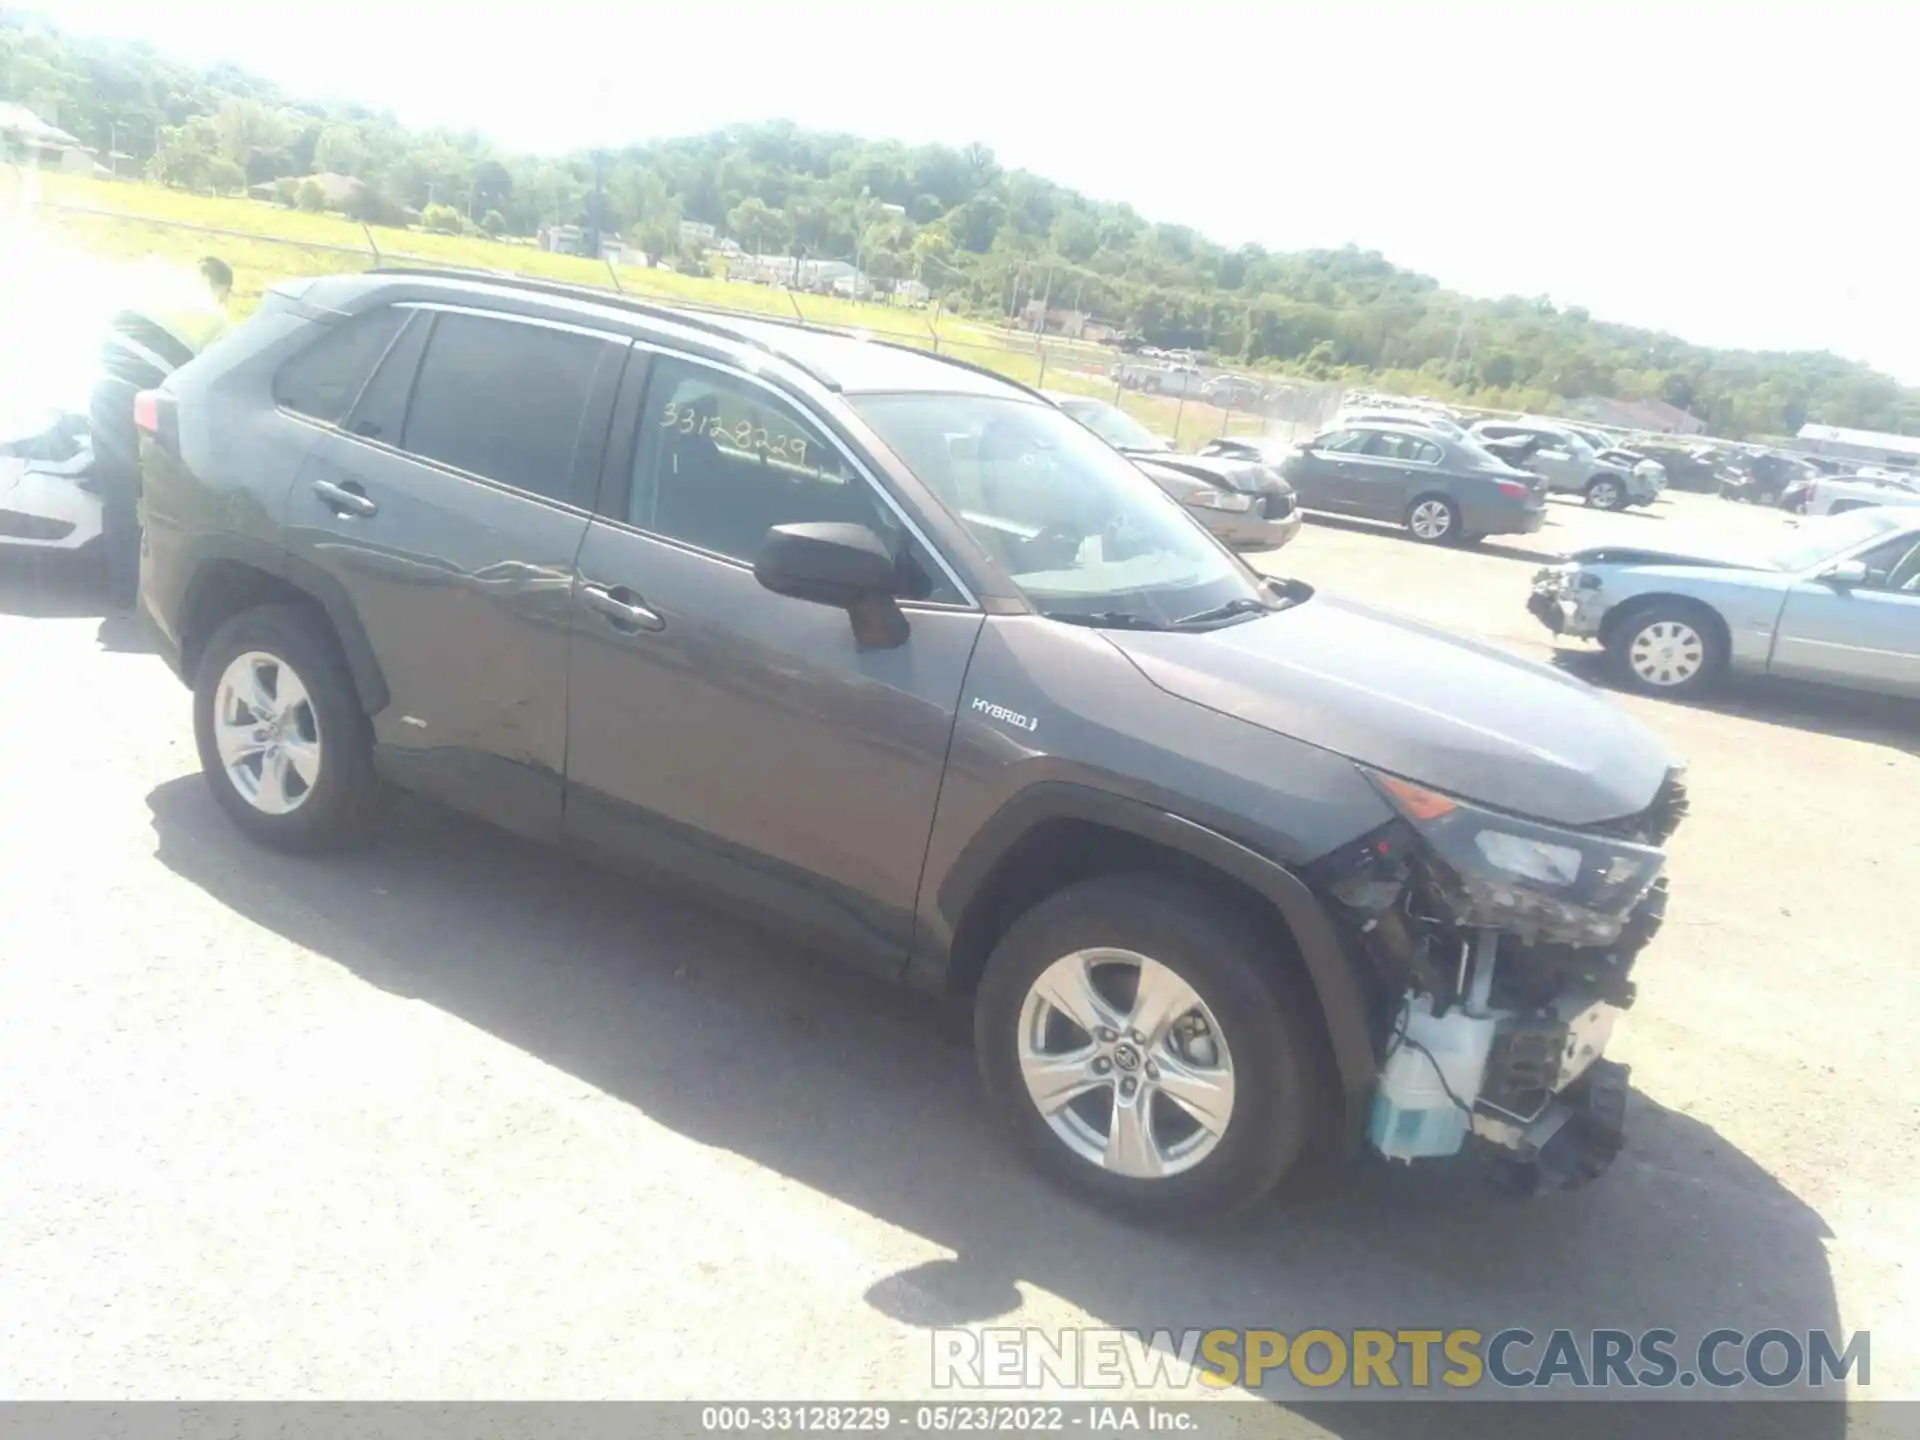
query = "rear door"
x=450 y=504
x=1865 y=636
x=739 y=738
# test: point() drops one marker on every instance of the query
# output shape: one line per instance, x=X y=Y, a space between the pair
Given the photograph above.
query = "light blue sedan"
x=1836 y=600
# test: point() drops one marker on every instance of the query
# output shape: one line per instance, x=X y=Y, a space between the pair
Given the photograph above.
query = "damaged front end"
x=1500 y=951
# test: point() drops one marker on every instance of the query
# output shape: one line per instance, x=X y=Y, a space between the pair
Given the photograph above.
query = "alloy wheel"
x=1603 y=494
x=1667 y=653
x=1431 y=519
x=1126 y=1064
x=267 y=733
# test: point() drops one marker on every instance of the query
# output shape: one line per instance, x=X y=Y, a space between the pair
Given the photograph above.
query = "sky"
x=1739 y=175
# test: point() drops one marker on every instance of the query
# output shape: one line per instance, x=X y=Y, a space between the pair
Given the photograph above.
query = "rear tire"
x=1670 y=648
x=1216 y=1023
x=1434 y=520
x=284 y=744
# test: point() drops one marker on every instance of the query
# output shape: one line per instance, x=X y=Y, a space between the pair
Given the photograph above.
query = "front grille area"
x=1277 y=507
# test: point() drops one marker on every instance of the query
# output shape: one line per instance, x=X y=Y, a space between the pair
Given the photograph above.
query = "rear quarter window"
x=323 y=379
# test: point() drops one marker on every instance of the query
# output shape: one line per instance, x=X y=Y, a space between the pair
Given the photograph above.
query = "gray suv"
x=1235 y=876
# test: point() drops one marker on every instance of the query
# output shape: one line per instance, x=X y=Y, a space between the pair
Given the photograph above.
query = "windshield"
x=1830 y=535
x=1083 y=532
x=1113 y=425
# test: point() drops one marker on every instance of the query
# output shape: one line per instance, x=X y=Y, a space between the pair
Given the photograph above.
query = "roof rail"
x=612 y=299
x=691 y=317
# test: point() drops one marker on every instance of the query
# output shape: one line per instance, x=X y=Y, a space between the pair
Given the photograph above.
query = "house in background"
x=1656 y=416
x=26 y=139
x=1865 y=447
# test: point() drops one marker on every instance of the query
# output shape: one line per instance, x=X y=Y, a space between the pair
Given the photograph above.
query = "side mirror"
x=845 y=566
x=1844 y=573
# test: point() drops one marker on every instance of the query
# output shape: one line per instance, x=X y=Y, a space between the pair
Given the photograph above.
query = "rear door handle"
x=347 y=499
x=623 y=607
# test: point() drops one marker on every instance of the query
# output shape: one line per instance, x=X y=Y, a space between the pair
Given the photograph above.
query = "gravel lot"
x=453 y=1117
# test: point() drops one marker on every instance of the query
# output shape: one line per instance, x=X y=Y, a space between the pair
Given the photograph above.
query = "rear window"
x=323 y=380
x=504 y=399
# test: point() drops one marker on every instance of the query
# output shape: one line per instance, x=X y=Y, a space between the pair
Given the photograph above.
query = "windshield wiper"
x=1107 y=619
x=1243 y=605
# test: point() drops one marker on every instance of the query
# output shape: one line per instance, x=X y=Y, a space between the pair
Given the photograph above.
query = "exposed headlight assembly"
x=1520 y=875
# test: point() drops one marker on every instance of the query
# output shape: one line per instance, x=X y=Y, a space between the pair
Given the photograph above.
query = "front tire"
x=1606 y=493
x=284 y=744
x=1139 y=1043
x=1434 y=520
x=1668 y=648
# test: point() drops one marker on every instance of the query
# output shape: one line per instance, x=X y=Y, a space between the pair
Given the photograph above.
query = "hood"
x=1219 y=470
x=1709 y=551
x=1420 y=703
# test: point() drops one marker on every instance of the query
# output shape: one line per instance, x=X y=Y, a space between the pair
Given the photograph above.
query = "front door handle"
x=623 y=607
x=347 y=499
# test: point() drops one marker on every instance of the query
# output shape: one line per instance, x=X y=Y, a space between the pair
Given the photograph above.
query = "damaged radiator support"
x=1494 y=1034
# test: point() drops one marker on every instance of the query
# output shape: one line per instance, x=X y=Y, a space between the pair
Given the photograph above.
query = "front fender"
x=1336 y=986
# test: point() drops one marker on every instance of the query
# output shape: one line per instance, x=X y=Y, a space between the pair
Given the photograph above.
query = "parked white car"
x=1571 y=466
x=1842 y=493
x=1381 y=415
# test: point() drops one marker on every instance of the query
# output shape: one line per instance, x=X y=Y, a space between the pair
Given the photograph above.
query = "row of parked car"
x=1835 y=603
x=1444 y=482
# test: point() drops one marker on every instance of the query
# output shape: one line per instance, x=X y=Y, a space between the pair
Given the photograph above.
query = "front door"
x=450 y=505
x=1325 y=474
x=732 y=736
x=1866 y=636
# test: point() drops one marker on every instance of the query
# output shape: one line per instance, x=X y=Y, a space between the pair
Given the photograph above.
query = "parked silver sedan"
x=1836 y=600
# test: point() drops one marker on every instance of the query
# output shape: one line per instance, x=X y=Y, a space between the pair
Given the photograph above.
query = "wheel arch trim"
x=316 y=584
x=1340 y=997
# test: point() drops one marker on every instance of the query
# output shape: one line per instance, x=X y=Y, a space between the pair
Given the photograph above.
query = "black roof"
x=848 y=361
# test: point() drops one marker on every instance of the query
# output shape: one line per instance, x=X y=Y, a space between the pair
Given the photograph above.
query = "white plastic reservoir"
x=1413 y=1116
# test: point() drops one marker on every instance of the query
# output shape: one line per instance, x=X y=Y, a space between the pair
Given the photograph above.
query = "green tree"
x=441 y=219
x=310 y=197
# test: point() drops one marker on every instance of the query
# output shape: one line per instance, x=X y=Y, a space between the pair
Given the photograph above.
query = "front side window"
x=1083 y=532
x=505 y=400
x=1895 y=566
x=1344 y=442
x=323 y=379
x=721 y=461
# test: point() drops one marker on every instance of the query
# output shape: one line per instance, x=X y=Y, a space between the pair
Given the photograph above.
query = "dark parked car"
x=887 y=650
x=1763 y=478
x=1243 y=501
x=1444 y=491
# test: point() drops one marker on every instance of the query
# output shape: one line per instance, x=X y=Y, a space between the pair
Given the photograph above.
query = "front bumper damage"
x=1492 y=1030
x=1561 y=602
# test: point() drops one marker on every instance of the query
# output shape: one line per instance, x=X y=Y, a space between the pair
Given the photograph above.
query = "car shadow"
x=1844 y=714
x=51 y=587
x=1625 y=512
x=866 y=1093
x=1488 y=546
